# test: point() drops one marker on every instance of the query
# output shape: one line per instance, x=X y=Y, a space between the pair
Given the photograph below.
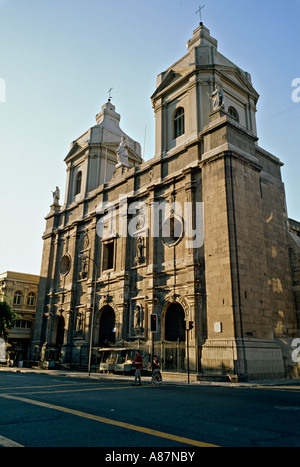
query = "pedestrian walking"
x=156 y=374
x=138 y=362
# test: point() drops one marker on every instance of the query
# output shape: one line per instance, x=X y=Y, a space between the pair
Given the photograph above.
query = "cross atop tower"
x=200 y=12
x=109 y=94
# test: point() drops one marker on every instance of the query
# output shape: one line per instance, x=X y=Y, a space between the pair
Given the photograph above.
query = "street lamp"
x=81 y=255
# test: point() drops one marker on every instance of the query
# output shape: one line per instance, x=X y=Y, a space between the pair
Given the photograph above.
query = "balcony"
x=19 y=333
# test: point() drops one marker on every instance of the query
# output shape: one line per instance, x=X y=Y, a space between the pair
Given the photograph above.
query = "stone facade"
x=199 y=234
x=20 y=291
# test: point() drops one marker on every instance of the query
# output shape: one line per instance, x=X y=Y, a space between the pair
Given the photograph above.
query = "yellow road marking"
x=101 y=388
x=41 y=387
x=8 y=443
x=280 y=388
x=69 y=384
x=108 y=421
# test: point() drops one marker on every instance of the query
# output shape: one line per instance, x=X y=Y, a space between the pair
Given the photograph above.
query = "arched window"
x=18 y=298
x=31 y=299
x=234 y=114
x=78 y=183
x=178 y=122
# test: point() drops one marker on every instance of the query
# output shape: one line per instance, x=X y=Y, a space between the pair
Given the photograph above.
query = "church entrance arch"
x=60 y=331
x=174 y=347
x=58 y=338
x=107 y=333
x=174 y=323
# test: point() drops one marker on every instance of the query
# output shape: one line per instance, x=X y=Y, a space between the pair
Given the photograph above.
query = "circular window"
x=172 y=230
x=65 y=265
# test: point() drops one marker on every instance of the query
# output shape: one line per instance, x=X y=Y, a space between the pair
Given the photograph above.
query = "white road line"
x=8 y=443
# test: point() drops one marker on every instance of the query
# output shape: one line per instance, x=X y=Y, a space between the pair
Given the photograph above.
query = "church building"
x=189 y=255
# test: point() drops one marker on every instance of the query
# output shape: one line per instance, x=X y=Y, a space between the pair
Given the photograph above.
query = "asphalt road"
x=39 y=410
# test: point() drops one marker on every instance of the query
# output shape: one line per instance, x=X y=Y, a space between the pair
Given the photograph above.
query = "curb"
x=147 y=379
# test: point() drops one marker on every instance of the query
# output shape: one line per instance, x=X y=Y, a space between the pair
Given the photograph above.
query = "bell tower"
x=92 y=158
x=183 y=94
x=205 y=110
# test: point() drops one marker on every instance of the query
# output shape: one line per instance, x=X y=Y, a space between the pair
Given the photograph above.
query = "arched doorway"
x=174 y=348
x=107 y=333
x=58 y=339
x=174 y=323
x=60 y=331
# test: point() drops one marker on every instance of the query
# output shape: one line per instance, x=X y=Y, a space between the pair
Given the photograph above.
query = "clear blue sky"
x=58 y=58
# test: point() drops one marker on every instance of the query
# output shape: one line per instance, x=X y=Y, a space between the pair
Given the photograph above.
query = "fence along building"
x=233 y=283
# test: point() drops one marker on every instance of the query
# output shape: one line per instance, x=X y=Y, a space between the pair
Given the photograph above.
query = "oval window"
x=65 y=265
x=172 y=230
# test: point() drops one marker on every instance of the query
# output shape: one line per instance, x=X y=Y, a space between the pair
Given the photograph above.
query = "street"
x=42 y=410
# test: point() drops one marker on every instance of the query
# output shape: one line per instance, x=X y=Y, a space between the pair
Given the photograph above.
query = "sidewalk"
x=168 y=379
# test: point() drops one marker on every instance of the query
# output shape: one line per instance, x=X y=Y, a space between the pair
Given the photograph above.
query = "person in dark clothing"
x=138 y=362
x=156 y=375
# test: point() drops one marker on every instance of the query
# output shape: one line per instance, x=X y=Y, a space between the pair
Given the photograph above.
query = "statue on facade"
x=140 y=244
x=139 y=250
x=217 y=97
x=122 y=153
x=56 y=196
x=137 y=319
x=84 y=268
x=86 y=241
x=79 y=323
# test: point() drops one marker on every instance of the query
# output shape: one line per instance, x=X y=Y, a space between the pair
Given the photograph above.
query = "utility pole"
x=93 y=310
x=191 y=325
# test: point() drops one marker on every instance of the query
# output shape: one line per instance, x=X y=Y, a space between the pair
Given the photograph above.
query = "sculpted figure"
x=217 y=97
x=122 y=153
x=140 y=244
x=137 y=317
x=56 y=196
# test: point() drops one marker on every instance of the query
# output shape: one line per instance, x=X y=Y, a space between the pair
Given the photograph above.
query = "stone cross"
x=200 y=11
x=109 y=93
